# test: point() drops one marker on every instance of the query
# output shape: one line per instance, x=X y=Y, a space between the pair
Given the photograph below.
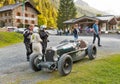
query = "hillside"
x=81 y=2
x=84 y=9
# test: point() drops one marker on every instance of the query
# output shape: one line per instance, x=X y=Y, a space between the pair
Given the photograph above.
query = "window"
x=18 y=20
x=9 y=13
x=18 y=13
x=0 y=15
x=32 y=16
x=32 y=22
x=5 y=20
x=5 y=14
x=10 y=20
x=26 y=21
x=26 y=15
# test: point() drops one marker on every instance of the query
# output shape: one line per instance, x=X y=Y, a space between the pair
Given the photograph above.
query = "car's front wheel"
x=92 y=51
x=34 y=61
x=65 y=65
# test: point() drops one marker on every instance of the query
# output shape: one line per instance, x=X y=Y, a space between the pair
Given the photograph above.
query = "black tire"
x=65 y=65
x=92 y=51
x=34 y=61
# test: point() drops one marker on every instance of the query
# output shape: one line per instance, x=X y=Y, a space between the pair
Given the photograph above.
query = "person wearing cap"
x=96 y=33
x=28 y=45
x=44 y=37
x=36 y=42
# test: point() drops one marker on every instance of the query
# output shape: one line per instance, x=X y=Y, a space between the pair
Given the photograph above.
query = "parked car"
x=62 y=56
x=118 y=32
x=52 y=31
x=20 y=30
x=11 y=29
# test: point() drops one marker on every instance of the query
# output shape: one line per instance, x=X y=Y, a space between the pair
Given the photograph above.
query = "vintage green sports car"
x=62 y=56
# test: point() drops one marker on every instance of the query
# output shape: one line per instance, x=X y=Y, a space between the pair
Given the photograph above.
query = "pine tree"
x=66 y=11
x=1 y=3
x=6 y=2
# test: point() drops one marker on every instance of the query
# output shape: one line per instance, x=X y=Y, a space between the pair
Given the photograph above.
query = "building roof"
x=12 y=6
x=86 y=17
x=118 y=18
x=70 y=21
x=101 y=18
x=105 y=18
x=9 y=7
x=78 y=19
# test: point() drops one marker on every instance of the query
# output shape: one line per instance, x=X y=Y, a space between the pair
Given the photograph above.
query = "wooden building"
x=118 y=19
x=16 y=14
x=106 y=23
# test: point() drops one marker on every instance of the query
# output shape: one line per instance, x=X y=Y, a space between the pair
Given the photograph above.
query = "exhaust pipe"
x=53 y=67
x=49 y=65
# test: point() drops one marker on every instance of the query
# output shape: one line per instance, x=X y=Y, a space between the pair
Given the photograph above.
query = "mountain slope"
x=84 y=9
x=82 y=3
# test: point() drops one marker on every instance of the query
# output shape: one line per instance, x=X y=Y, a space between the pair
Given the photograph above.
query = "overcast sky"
x=110 y=6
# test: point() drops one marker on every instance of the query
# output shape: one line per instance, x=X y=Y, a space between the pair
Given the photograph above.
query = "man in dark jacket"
x=27 y=35
x=44 y=37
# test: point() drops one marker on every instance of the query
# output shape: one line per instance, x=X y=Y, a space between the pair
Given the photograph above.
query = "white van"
x=11 y=29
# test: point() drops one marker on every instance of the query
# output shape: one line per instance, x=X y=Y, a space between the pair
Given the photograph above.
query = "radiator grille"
x=49 y=55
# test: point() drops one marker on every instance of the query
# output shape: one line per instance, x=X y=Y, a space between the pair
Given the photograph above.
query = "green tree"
x=42 y=20
x=98 y=14
x=6 y=2
x=48 y=13
x=66 y=11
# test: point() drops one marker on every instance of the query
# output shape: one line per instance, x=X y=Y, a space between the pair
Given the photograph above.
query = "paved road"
x=13 y=64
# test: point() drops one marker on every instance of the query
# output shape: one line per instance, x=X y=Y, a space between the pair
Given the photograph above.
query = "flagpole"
x=23 y=10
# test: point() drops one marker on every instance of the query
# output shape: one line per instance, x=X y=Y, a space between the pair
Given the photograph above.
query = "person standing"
x=66 y=31
x=96 y=33
x=28 y=45
x=61 y=32
x=36 y=42
x=44 y=37
x=76 y=32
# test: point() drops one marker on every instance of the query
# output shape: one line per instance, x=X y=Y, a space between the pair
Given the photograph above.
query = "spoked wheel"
x=65 y=65
x=34 y=61
x=92 y=51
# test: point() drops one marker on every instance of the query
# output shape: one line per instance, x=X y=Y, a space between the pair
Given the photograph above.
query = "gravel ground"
x=15 y=69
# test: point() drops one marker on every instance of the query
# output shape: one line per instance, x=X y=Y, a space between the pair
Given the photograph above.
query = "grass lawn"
x=99 y=71
x=9 y=38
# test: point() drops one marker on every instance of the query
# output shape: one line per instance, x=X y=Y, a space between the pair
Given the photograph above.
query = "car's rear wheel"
x=92 y=51
x=34 y=61
x=65 y=65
